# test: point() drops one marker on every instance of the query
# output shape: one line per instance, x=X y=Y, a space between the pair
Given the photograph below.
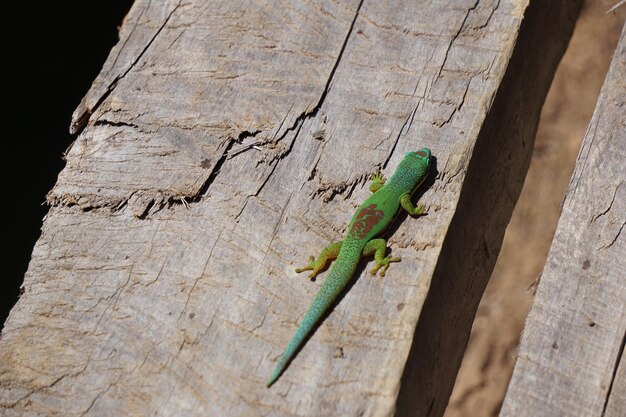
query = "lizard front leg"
x=378 y=180
x=405 y=202
x=378 y=248
x=328 y=253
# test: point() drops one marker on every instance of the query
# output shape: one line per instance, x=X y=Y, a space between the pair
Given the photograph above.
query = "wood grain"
x=222 y=144
x=571 y=359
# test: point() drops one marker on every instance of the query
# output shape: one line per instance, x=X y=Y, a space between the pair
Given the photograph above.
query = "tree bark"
x=225 y=142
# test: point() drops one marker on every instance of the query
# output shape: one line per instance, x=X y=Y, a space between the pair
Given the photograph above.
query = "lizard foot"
x=378 y=176
x=378 y=180
x=312 y=266
x=383 y=265
x=328 y=253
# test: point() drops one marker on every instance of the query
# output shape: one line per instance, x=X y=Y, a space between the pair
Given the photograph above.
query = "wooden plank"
x=221 y=145
x=574 y=337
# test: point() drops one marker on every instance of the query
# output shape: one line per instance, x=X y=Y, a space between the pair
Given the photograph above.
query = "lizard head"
x=421 y=157
x=414 y=167
x=423 y=154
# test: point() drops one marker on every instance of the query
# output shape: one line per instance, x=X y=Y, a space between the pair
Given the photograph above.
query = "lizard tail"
x=338 y=278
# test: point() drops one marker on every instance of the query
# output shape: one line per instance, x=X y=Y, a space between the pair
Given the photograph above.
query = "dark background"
x=53 y=53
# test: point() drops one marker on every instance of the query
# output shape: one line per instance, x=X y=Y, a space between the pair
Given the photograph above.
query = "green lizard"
x=370 y=220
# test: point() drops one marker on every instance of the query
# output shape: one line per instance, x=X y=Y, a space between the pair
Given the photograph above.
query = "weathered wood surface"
x=571 y=360
x=163 y=282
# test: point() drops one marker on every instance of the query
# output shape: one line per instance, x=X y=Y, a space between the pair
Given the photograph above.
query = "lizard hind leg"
x=317 y=265
x=378 y=248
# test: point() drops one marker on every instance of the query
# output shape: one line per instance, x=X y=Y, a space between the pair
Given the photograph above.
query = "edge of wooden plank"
x=448 y=313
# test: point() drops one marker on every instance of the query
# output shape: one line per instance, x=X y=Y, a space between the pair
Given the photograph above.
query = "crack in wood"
x=454 y=37
x=81 y=120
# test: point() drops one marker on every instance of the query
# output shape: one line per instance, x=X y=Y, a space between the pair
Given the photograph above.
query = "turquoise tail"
x=340 y=274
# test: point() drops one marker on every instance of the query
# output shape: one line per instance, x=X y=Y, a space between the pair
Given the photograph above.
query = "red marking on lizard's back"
x=366 y=219
x=421 y=153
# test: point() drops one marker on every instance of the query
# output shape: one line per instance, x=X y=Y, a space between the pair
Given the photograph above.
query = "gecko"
x=362 y=238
